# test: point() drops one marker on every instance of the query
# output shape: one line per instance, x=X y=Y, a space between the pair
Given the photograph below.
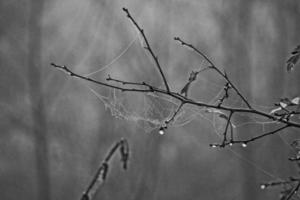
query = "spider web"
x=149 y=111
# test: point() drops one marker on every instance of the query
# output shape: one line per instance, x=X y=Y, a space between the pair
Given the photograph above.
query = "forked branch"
x=214 y=67
x=148 y=47
x=282 y=115
x=102 y=171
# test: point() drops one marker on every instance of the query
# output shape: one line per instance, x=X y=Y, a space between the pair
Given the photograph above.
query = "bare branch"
x=283 y=113
x=226 y=129
x=245 y=142
x=213 y=66
x=102 y=171
x=281 y=118
x=174 y=114
x=148 y=47
x=71 y=73
x=177 y=96
x=109 y=78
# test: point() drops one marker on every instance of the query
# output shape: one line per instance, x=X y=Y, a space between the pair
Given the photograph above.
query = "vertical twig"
x=148 y=47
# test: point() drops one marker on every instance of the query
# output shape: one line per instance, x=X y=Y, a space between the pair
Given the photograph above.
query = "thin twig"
x=226 y=129
x=245 y=142
x=175 y=113
x=73 y=74
x=148 y=47
x=213 y=66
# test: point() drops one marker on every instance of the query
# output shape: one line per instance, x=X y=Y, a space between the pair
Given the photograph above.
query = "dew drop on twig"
x=263 y=186
x=161 y=131
x=244 y=145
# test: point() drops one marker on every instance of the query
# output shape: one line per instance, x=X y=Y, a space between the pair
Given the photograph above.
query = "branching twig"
x=181 y=98
x=212 y=65
x=146 y=88
x=282 y=115
x=177 y=96
x=245 y=142
x=148 y=47
x=102 y=171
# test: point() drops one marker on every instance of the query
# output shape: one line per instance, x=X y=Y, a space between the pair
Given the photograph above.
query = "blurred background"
x=55 y=131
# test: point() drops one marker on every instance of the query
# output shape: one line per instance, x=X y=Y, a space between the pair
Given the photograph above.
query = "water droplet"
x=161 y=132
x=244 y=145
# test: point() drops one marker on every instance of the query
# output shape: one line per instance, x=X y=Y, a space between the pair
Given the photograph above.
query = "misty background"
x=55 y=131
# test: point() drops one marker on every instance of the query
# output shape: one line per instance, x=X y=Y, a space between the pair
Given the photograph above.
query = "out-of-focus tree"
x=36 y=98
